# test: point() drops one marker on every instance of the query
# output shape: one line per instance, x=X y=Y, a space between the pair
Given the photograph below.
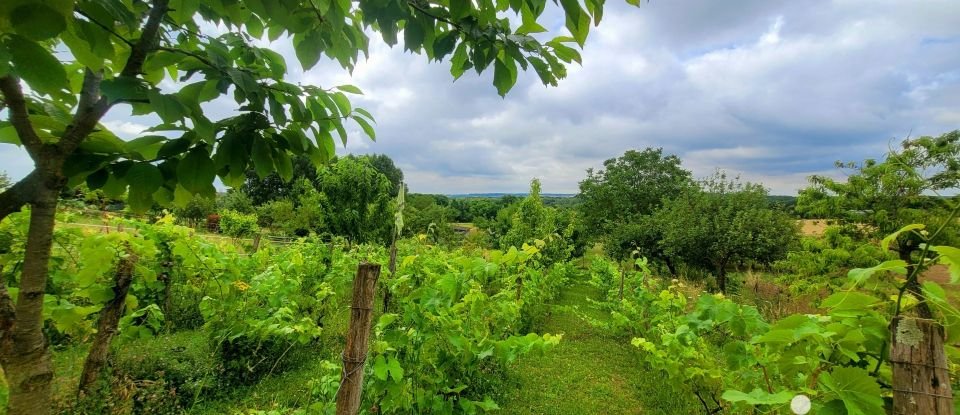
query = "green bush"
x=238 y=225
x=168 y=372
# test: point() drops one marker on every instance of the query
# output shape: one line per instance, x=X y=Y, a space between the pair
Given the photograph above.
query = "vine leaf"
x=758 y=397
x=854 y=386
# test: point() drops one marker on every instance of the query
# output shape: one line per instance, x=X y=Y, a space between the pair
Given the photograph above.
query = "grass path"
x=588 y=373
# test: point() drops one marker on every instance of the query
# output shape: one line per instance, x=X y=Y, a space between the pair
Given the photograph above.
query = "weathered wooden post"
x=358 y=337
x=256 y=242
x=921 y=380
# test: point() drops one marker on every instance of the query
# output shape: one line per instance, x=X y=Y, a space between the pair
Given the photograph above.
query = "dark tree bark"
x=25 y=357
x=107 y=325
x=23 y=348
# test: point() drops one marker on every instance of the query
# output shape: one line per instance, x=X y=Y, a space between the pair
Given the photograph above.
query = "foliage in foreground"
x=731 y=358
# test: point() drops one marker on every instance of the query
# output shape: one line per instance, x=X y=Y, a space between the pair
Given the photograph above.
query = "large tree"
x=355 y=200
x=616 y=202
x=64 y=64
x=721 y=223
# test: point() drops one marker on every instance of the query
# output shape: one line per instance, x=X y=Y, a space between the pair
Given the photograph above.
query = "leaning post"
x=358 y=338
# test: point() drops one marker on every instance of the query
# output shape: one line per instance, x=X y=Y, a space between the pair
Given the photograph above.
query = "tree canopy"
x=615 y=202
x=721 y=223
x=886 y=195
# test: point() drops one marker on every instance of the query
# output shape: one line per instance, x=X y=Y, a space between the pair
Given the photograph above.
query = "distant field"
x=812 y=227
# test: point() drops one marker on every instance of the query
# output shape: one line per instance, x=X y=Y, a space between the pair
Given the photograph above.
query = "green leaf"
x=196 y=171
x=367 y=128
x=459 y=63
x=37 y=21
x=949 y=256
x=168 y=107
x=849 y=300
x=364 y=113
x=284 y=165
x=343 y=103
x=144 y=179
x=396 y=372
x=147 y=146
x=380 y=367
x=124 y=88
x=885 y=243
x=309 y=48
x=36 y=65
x=9 y=135
x=351 y=89
x=98 y=294
x=262 y=157
x=861 y=275
x=757 y=397
x=182 y=11
x=934 y=292
x=103 y=144
x=854 y=386
x=504 y=75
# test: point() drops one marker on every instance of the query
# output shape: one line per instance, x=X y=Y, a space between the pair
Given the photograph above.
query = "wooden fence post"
x=256 y=242
x=358 y=337
x=921 y=380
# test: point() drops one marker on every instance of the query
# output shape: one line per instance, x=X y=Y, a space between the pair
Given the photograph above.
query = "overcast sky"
x=772 y=90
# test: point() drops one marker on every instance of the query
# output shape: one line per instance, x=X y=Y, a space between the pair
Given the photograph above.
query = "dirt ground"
x=812 y=227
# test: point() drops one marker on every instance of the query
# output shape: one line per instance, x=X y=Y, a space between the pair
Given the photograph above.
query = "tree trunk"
x=722 y=279
x=905 y=251
x=670 y=266
x=358 y=338
x=107 y=325
x=25 y=357
x=921 y=379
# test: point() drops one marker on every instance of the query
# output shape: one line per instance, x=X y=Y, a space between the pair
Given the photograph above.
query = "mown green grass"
x=588 y=373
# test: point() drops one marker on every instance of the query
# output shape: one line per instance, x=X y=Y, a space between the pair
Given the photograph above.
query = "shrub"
x=238 y=225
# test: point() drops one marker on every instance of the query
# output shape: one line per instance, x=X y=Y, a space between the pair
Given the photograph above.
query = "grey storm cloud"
x=773 y=91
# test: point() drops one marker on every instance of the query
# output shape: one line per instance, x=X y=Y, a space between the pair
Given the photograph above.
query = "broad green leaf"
x=37 y=21
x=124 y=88
x=342 y=102
x=854 y=386
x=262 y=157
x=147 y=146
x=309 y=48
x=949 y=256
x=885 y=243
x=504 y=75
x=103 y=144
x=459 y=63
x=849 y=300
x=196 y=171
x=861 y=275
x=396 y=372
x=36 y=65
x=283 y=164
x=380 y=367
x=144 y=179
x=182 y=11
x=757 y=397
x=167 y=107
x=9 y=135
